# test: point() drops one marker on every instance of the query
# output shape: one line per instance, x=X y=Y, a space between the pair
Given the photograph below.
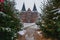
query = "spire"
x=34 y=8
x=23 y=7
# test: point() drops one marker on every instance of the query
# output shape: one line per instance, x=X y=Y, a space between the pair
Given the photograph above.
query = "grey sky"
x=28 y=4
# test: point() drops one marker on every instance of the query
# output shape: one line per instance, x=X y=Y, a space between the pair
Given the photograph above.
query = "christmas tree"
x=9 y=22
x=50 y=19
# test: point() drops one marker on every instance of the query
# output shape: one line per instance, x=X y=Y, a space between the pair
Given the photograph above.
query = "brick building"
x=30 y=30
x=29 y=16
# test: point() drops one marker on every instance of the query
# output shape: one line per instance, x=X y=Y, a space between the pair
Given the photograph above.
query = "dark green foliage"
x=50 y=23
x=9 y=22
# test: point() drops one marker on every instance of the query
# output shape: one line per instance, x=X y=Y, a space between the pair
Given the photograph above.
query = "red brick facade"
x=29 y=16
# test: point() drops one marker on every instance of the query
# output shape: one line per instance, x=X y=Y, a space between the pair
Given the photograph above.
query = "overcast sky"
x=28 y=4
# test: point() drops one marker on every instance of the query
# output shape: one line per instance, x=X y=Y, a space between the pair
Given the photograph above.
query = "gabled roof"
x=29 y=9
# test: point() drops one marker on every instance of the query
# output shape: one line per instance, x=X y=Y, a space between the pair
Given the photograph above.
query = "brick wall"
x=29 y=16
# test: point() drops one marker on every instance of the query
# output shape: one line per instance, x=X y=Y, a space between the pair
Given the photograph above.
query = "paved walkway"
x=32 y=34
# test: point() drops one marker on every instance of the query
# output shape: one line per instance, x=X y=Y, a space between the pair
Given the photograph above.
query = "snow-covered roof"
x=30 y=25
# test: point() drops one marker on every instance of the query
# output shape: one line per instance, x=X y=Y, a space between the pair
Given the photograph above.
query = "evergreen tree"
x=9 y=22
x=50 y=22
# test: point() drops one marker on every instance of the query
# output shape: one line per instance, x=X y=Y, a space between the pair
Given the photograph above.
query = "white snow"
x=30 y=25
x=2 y=13
x=22 y=32
x=57 y=11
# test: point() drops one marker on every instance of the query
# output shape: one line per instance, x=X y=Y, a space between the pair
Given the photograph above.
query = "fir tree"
x=9 y=22
x=50 y=23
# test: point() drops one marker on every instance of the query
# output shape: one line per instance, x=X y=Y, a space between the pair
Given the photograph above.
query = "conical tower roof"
x=34 y=8
x=23 y=7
